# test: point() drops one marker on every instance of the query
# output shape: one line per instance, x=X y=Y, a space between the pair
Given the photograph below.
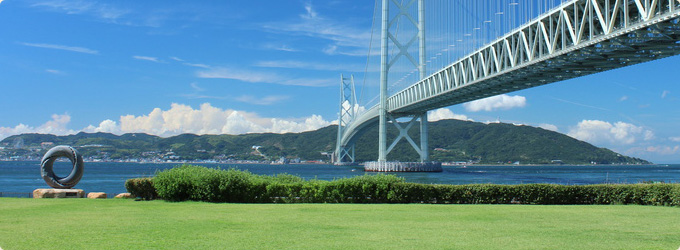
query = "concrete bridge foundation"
x=393 y=166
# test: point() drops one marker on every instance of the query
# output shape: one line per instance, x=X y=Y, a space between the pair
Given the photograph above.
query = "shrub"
x=141 y=188
x=216 y=185
x=204 y=184
x=359 y=189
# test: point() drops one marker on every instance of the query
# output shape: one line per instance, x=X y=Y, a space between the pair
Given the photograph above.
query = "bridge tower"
x=348 y=108
x=386 y=62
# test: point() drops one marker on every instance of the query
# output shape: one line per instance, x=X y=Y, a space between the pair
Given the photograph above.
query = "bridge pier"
x=395 y=166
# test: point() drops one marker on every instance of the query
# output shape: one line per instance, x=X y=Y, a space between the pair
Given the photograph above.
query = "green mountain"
x=450 y=140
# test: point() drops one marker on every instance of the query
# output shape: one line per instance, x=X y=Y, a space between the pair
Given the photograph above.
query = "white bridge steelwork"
x=578 y=38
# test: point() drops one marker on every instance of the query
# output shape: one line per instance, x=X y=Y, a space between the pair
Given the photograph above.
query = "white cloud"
x=54 y=71
x=674 y=139
x=286 y=126
x=146 y=58
x=347 y=106
x=198 y=65
x=499 y=102
x=211 y=120
x=547 y=126
x=333 y=50
x=623 y=98
x=241 y=75
x=309 y=82
x=663 y=150
x=444 y=114
x=330 y=50
x=286 y=48
x=180 y=119
x=106 y=126
x=100 y=10
x=665 y=93
x=196 y=87
x=291 y=64
x=262 y=77
x=62 y=47
x=580 y=104
x=313 y=24
x=55 y=126
x=176 y=59
x=649 y=135
x=267 y=100
x=278 y=46
x=601 y=132
x=199 y=96
x=311 y=14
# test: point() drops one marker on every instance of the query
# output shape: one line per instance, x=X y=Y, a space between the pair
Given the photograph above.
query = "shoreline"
x=361 y=164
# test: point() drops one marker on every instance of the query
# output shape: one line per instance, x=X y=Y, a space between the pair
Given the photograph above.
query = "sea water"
x=109 y=177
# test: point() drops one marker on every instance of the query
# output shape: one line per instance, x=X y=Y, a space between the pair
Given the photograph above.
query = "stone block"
x=96 y=195
x=124 y=196
x=58 y=193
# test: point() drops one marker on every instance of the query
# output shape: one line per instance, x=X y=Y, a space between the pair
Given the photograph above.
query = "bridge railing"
x=572 y=26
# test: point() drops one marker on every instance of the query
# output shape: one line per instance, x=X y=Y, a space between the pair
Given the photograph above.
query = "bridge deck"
x=579 y=38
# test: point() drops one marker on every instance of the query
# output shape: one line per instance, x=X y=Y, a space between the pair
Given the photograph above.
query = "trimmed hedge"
x=543 y=194
x=215 y=185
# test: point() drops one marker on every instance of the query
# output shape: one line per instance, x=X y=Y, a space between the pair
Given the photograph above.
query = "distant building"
x=47 y=145
x=282 y=160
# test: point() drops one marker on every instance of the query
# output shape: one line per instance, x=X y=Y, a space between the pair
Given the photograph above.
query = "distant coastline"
x=457 y=142
x=359 y=164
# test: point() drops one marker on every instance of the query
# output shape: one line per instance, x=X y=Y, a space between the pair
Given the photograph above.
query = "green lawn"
x=127 y=224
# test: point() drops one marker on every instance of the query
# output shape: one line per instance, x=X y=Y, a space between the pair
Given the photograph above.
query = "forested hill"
x=450 y=140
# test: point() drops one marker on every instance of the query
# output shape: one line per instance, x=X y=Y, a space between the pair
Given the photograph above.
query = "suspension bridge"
x=434 y=54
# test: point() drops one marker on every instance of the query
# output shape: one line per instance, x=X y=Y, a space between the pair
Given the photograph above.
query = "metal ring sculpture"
x=48 y=160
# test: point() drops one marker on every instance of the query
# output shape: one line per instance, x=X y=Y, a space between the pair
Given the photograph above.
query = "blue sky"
x=209 y=67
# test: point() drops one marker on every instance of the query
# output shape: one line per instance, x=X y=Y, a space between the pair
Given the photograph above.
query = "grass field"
x=127 y=224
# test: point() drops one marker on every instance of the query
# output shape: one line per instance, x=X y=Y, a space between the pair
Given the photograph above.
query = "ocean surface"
x=22 y=177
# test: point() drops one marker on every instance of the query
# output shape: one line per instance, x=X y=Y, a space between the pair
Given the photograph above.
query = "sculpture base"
x=58 y=193
x=394 y=166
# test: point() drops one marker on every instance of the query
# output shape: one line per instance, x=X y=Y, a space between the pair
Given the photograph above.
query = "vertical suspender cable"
x=368 y=60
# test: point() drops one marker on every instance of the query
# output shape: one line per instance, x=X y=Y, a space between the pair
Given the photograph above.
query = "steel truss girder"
x=570 y=41
x=579 y=38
